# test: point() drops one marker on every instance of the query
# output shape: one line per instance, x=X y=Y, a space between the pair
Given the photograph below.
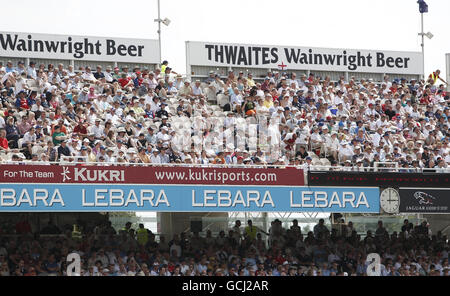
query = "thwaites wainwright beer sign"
x=71 y=47
x=302 y=58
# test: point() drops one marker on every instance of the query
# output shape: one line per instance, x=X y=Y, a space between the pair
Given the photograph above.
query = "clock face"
x=390 y=200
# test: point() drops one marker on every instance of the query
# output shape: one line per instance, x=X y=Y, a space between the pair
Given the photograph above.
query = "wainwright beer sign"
x=302 y=58
x=72 y=47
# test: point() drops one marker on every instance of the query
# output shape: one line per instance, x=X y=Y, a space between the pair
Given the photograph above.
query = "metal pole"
x=159 y=31
x=423 y=47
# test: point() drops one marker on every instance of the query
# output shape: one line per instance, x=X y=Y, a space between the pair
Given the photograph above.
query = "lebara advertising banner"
x=150 y=175
x=185 y=198
x=425 y=200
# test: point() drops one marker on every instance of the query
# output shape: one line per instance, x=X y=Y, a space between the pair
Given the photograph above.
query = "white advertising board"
x=302 y=58
x=70 y=47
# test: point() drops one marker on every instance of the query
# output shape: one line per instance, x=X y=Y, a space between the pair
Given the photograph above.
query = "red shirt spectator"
x=425 y=99
x=124 y=81
x=3 y=142
x=24 y=103
x=80 y=129
x=393 y=89
x=54 y=104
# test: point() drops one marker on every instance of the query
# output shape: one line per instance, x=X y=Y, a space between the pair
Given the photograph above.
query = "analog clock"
x=390 y=200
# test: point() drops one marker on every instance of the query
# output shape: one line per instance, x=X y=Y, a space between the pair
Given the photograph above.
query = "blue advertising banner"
x=185 y=198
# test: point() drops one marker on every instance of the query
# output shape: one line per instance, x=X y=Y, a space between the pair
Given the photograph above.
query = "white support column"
x=266 y=221
x=188 y=62
x=447 y=62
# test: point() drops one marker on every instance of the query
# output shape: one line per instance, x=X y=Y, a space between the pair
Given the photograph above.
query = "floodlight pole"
x=423 y=46
x=159 y=31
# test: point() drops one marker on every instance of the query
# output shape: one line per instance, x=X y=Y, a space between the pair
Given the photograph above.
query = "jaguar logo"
x=424 y=198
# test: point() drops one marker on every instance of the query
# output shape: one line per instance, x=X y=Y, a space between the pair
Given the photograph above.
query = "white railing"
x=69 y=159
x=378 y=169
x=388 y=165
x=66 y=161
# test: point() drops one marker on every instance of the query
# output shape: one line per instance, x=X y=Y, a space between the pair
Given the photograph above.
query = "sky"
x=353 y=24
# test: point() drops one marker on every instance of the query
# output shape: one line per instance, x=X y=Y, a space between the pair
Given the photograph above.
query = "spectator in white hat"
x=186 y=89
x=197 y=90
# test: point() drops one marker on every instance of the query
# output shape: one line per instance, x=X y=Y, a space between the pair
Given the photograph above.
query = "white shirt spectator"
x=88 y=76
x=31 y=71
x=20 y=85
x=29 y=138
x=236 y=99
x=346 y=151
x=197 y=91
x=114 y=118
x=155 y=159
x=163 y=137
x=376 y=139
x=176 y=248
x=97 y=131
x=108 y=77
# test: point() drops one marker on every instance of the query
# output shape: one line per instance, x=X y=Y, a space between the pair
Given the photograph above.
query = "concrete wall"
x=175 y=223
x=39 y=220
x=438 y=223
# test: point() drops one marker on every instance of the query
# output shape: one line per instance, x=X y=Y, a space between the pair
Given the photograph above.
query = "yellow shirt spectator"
x=251 y=232
x=268 y=102
x=251 y=82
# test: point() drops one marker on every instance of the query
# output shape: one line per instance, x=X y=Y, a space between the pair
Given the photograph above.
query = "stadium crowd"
x=241 y=251
x=56 y=113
